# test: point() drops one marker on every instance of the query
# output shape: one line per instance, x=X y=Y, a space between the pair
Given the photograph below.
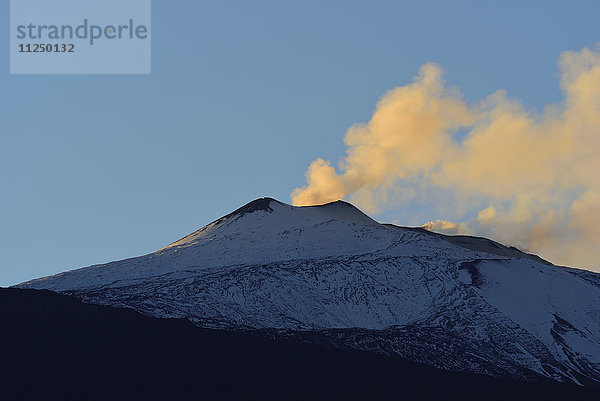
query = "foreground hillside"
x=56 y=348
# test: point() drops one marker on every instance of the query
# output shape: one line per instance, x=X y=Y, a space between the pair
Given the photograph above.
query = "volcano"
x=333 y=276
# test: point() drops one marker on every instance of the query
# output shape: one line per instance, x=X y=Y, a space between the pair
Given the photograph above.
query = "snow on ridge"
x=267 y=231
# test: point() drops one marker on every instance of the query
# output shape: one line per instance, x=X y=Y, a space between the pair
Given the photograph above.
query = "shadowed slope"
x=57 y=348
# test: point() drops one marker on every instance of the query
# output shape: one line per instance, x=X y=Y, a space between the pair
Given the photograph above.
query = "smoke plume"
x=496 y=168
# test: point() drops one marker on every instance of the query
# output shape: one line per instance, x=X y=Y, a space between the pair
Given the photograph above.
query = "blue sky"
x=242 y=97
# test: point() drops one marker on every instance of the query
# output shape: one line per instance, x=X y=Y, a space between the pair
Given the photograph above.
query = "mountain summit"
x=267 y=214
x=330 y=274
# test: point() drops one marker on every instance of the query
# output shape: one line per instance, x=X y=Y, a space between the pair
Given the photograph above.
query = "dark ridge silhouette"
x=55 y=347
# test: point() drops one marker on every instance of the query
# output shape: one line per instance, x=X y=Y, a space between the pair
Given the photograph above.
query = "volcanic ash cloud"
x=526 y=178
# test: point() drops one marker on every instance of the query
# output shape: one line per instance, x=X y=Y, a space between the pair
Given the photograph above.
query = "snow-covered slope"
x=331 y=274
